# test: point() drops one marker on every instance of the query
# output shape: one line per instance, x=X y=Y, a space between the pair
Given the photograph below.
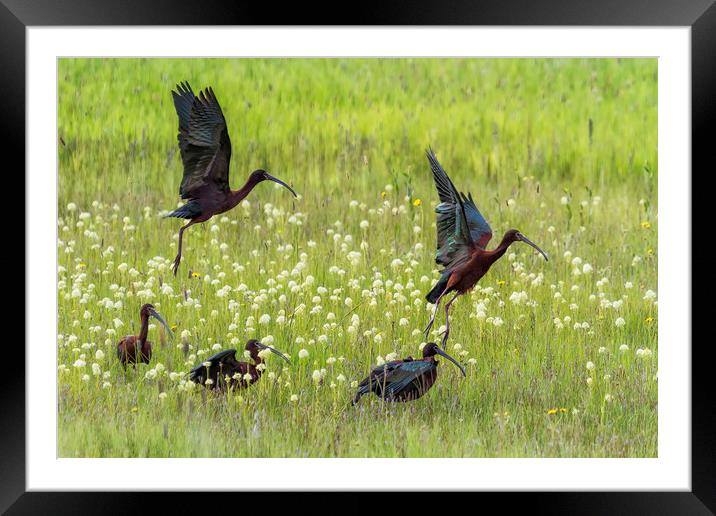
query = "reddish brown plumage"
x=462 y=277
x=462 y=237
x=136 y=349
x=205 y=149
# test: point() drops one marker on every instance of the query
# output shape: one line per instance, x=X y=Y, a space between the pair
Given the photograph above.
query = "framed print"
x=302 y=257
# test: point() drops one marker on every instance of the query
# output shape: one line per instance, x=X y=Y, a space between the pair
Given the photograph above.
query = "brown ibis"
x=205 y=150
x=407 y=379
x=134 y=349
x=462 y=238
x=222 y=370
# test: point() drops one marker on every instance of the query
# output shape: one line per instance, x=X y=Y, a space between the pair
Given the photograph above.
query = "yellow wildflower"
x=646 y=224
x=417 y=202
x=552 y=411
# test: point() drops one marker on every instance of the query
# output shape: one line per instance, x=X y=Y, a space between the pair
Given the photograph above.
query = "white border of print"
x=671 y=470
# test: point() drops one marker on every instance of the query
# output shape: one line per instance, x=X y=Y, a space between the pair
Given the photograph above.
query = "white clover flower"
x=162 y=395
x=303 y=353
x=208 y=381
x=264 y=319
x=96 y=369
x=106 y=385
x=619 y=322
x=364 y=224
x=590 y=365
x=99 y=355
x=341 y=378
x=294 y=398
x=564 y=200
x=623 y=348
x=608 y=398
x=649 y=295
x=589 y=381
x=587 y=268
x=267 y=340
x=79 y=363
x=628 y=285
x=316 y=376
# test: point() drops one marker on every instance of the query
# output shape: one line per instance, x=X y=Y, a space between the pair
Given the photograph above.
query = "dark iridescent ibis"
x=225 y=371
x=134 y=349
x=407 y=379
x=205 y=150
x=463 y=235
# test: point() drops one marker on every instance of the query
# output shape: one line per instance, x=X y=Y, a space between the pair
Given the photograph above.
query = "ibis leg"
x=435 y=311
x=447 y=318
x=175 y=266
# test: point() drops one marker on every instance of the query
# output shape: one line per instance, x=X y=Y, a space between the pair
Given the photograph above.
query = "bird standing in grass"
x=137 y=349
x=222 y=370
x=463 y=235
x=407 y=379
x=205 y=150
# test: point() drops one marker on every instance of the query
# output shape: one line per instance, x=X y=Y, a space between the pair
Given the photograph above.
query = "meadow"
x=561 y=356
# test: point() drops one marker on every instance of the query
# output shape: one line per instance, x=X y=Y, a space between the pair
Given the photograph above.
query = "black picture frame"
x=699 y=15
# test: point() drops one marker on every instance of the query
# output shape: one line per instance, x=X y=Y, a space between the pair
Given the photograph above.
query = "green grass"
x=514 y=132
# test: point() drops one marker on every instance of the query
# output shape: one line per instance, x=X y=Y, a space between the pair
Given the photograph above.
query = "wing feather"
x=199 y=373
x=204 y=143
x=460 y=225
x=404 y=375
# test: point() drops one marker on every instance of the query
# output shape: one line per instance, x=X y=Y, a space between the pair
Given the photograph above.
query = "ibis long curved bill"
x=277 y=180
x=451 y=359
x=159 y=318
x=527 y=241
x=272 y=350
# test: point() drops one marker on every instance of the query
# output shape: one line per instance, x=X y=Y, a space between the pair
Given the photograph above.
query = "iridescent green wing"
x=453 y=234
x=404 y=375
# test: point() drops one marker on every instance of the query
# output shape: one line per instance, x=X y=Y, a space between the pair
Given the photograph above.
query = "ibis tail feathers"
x=190 y=210
x=439 y=288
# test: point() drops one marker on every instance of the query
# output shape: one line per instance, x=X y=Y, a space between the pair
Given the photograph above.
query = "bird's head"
x=261 y=175
x=514 y=235
x=149 y=310
x=431 y=349
x=253 y=346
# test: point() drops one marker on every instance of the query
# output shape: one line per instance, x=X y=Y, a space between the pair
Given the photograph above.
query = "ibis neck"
x=256 y=358
x=500 y=250
x=144 y=330
x=236 y=196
